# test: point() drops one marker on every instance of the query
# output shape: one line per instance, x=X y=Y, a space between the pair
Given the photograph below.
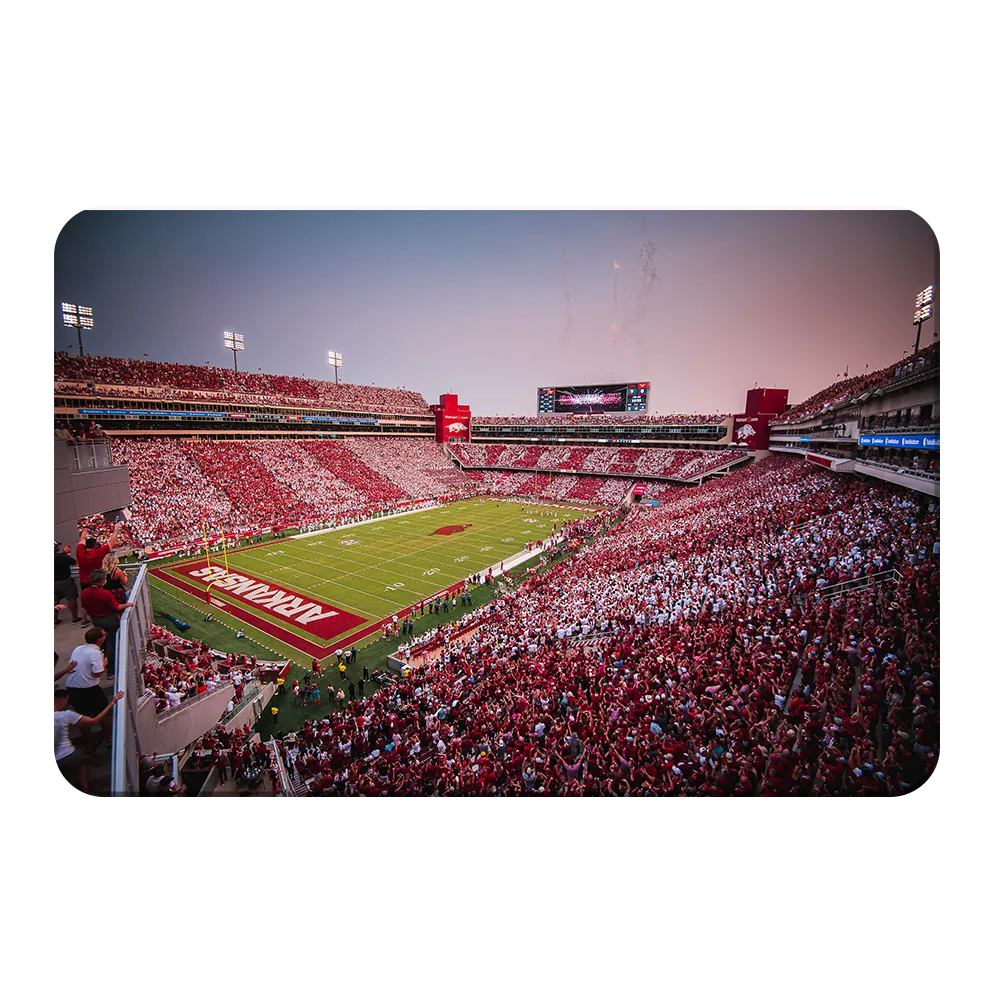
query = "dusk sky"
x=492 y=305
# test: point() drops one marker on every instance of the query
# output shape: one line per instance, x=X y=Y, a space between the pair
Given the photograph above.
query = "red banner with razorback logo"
x=754 y=432
x=451 y=420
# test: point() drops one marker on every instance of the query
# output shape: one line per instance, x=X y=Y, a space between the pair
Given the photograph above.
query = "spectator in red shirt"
x=90 y=555
x=105 y=612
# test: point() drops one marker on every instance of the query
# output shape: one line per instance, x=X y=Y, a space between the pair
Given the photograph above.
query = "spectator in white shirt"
x=69 y=758
x=85 y=694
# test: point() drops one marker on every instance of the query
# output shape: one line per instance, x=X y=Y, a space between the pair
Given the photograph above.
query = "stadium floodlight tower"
x=336 y=362
x=923 y=309
x=80 y=318
x=234 y=343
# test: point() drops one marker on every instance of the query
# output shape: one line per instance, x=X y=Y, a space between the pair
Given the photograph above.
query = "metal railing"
x=932 y=427
x=251 y=692
x=287 y=788
x=591 y=638
x=130 y=651
x=187 y=702
x=862 y=583
x=90 y=453
x=900 y=470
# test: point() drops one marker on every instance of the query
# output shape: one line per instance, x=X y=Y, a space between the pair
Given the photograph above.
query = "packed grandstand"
x=735 y=614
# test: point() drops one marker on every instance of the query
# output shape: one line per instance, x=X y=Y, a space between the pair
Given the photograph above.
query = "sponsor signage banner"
x=311 y=614
x=327 y=418
x=323 y=418
x=929 y=442
x=639 y=489
x=156 y=413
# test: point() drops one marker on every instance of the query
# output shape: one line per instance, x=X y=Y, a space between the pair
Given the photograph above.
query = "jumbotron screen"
x=620 y=397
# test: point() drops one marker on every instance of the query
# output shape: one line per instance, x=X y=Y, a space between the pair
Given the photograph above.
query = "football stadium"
x=274 y=585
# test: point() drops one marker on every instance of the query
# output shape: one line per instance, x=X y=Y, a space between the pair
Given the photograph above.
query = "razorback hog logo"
x=745 y=431
x=455 y=427
x=450 y=529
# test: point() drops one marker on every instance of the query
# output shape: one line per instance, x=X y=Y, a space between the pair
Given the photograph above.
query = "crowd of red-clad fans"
x=674 y=463
x=586 y=489
x=183 y=488
x=176 y=670
x=691 y=650
x=234 y=753
x=548 y=419
x=88 y=375
x=924 y=361
x=417 y=465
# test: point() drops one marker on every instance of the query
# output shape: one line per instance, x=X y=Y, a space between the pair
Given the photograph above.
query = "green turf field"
x=366 y=571
x=220 y=633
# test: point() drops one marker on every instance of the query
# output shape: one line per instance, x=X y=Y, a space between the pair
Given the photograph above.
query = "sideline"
x=367 y=520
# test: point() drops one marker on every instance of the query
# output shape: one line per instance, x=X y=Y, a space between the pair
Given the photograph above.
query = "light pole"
x=336 y=362
x=234 y=343
x=80 y=318
x=923 y=309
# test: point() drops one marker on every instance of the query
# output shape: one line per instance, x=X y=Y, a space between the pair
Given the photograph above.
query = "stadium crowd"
x=415 y=465
x=123 y=377
x=706 y=462
x=548 y=419
x=674 y=463
x=177 y=670
x=180 y=487
x=338 y=458
x=925 y=360
x=690 y=649
x=232 y=469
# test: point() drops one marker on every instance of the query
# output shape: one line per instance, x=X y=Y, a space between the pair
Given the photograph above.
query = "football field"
x=315 y=593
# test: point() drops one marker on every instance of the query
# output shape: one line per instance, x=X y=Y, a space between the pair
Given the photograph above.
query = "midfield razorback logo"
x=321 y=620
x=450 y=529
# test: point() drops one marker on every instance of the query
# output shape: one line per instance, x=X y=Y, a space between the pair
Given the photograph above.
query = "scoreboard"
x=618 y=397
